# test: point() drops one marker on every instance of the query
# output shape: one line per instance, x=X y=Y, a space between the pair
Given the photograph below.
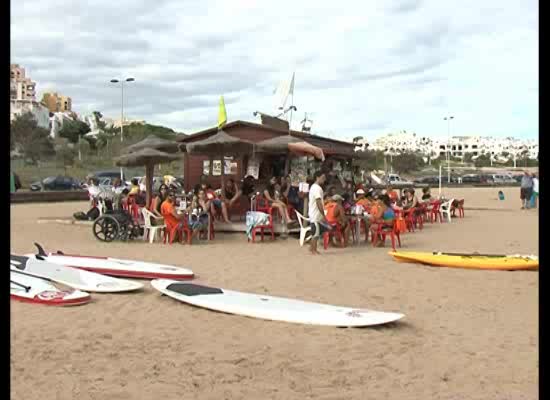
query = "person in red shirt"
x=335 y=214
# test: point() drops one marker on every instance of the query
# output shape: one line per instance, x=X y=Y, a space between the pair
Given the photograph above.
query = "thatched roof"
x=146 y=156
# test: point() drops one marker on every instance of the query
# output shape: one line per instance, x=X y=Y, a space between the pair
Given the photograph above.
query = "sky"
x=362 y=68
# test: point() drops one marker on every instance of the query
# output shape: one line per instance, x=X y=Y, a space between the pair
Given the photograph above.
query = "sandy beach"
x=466 y=334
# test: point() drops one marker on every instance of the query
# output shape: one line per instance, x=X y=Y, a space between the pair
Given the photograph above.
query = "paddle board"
x=270 y=307
x=512 y=262
x=74 y=277
x=114 y=266
x=37 y=290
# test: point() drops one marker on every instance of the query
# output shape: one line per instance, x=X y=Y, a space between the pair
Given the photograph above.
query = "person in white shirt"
x=535 y=191
x=316 y=211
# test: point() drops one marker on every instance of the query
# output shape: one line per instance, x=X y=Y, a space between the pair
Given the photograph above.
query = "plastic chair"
x=337 y=232
x=150 y=230
x=458 y=205
x=262 y=228
x=381 y=229
x=436 y=212
x=410 y=218
x=445 y=209
x=303 y=229
x=179 y=230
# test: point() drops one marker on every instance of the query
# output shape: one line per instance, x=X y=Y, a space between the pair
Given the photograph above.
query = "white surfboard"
x=116 y=267
x=74 y=277
x=37 y=290
x=270 y=307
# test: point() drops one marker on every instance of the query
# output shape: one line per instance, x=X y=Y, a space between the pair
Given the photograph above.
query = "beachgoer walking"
x=535 y=191
x=317 y=211
x=526 y=190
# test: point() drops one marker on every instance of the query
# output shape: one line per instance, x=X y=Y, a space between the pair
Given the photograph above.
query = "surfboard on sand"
x=30 y=289
x=512 y=262
x=270 y=307
x=114 y=266
x=74 y=277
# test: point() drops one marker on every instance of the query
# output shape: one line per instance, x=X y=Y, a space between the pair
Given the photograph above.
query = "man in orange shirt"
x=168 y=211
x=362 y=200
x=335 y=214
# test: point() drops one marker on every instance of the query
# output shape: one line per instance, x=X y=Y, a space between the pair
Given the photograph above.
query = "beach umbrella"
x=149 y=158
x=307 y=148
x=220 y=145
x=156 y=143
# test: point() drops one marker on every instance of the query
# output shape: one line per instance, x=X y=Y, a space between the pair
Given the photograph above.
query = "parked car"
x=108 y=174
x=429 y=180
x=503 y=179
x=394 y=179
x=471 y=178
x=56 y=183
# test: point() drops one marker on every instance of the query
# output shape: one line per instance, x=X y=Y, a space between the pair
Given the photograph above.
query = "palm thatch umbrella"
x=149 y=158
x=154 y=142
x=220 y=145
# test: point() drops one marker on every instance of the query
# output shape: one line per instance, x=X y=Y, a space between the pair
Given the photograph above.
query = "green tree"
x=483 y=160
x=30 y=139
x=72 y=130
x=407 y=162
x=65 y=157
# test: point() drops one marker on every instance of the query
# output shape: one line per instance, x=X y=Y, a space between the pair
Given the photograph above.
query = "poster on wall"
x=216 y=167
x=230 y=166
x=253 y=167
x=206 y=167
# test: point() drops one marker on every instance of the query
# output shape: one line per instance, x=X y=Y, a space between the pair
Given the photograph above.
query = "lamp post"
x=448 y=119
x=121 y=81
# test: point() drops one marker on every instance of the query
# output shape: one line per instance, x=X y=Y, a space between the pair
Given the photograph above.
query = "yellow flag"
x=222 y=114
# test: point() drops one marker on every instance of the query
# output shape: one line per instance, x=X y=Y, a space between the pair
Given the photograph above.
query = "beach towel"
x=255 y=218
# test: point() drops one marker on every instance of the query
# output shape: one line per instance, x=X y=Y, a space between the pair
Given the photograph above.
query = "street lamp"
x=122 y=103
x=448 y=119
x=122 y=110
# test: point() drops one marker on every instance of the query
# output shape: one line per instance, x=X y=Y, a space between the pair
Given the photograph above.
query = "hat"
x=360 y=191
x=337 y=197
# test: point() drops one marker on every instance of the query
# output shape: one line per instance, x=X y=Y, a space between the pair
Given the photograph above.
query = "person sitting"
x=393 y=195
x=331 y=191
x=410 y=200
x=426 y=195
x=382 y=214
x=335 y=214
x=362 y=200
x=231 y=193
x=198 y=212
x=172 y=219
x=134 y=187
x=273 y=197
x=156 y=205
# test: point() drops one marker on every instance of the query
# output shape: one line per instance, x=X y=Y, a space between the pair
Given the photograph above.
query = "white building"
x=40 y=113
x=458 y=146
x=56 y=122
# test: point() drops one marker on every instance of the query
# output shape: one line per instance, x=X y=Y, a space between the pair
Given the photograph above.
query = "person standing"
x=535 y=195
x=526 y=190
x=316 y=211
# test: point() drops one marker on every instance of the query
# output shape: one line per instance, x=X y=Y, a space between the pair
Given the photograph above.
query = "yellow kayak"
x=473 y=261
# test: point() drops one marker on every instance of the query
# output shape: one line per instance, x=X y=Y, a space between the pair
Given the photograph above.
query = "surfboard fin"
x=41 y=251
x=38 y=256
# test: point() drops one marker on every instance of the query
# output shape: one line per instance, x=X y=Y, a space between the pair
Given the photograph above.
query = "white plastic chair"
x=304 y=229
x=445 y=209
x=148 y=228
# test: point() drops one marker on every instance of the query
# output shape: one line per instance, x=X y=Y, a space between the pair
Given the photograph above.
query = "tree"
x=72 y=130
x=407 y=162
x=484 y=160
x=30 y=139
x=65 y=157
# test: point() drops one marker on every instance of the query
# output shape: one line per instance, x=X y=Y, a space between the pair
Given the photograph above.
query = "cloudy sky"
x=362 y=67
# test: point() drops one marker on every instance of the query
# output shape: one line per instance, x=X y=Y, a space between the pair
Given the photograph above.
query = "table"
x=358 y=218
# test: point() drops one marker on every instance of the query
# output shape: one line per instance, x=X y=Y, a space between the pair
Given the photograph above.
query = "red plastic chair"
x=335 y=232
x=382 y=230
x=410 y=218
x=435 y=212
x=179 y=231
x=262 y=228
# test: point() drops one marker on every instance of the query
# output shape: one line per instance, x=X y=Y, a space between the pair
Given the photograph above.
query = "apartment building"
x=21 y=86
x=56 y=102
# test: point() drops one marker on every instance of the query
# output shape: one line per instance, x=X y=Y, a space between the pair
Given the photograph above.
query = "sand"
x=466 y=334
